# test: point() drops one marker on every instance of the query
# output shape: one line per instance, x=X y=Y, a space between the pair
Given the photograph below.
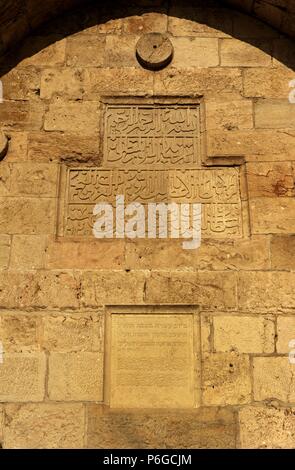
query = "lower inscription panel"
x=152 y=361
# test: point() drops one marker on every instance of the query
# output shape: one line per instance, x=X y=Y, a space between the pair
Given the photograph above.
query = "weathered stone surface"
x=42 y=51
x=35 y=179
x=274 y=114
x=283 y=252
x=272 y=215
x=252 y=287
x=27 y=252
x=145 y=22
x=22 y=377
x=212 y=255
x=203 y=428
x=275 y=86
x=273 y=379
x=286 y=333
x=72 y=332
x=236 y=53
x=112 y=287
x=103 y=254
x=39 y=289
x=21 y=84
x=56 y=146
x=26 y=215
x=85 y=51
x=212 y=82
x=108 y=81
x=256 y=145
x=21 y=115
x=267 y=428
x=195 y=52
x=75 y=376
x=120 y=51
x=65 y=82
x=229 y=114
x=5 y=243
x=226 y=379
x=72 y=117
x=20 y=332
x=243 y=334
x=211 y=290
x=270 y=179
x=25 y=426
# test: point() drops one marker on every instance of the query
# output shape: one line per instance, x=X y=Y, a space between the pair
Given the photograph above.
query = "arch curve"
x=19 y=17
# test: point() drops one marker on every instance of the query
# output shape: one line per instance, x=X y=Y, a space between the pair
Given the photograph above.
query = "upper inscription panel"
x=151 y=134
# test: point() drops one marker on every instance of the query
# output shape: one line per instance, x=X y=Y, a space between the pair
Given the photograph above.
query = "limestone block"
x=27 y=252
x=146 y=22
x=4 y=144
x=252 y=287
x=267 y=428
x=212 y=255
x=274 y=114
x=75 y=376
x=108 y=81
x=5 y=243
x=21 y=115
x=69 y=332
x=191 y=80
x=21 y=84
x=49 y=426
x=226 y=379
x=270 y=179
x=46 y=50
x=56 y=146
x=27 y=215
x=236 y=53
x=283 y=252
x=286 y=333
x=73 y=117
x=195 y=52
x=273 y=379
x=101 y=254
x=209 y=289
x=67 y=83
x=85 y=51
x=236 y=114
x=273 y=83
x=34 y=179
x=41 y=289
x=20 y=332
x=22 y=377
x=112 y=287
x=120 y=51
x=272 y=215
x=17 y=148
x=243 y=334
x=202 y=428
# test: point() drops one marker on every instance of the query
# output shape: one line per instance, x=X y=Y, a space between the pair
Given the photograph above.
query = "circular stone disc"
x=154 y=51
x=3 y=145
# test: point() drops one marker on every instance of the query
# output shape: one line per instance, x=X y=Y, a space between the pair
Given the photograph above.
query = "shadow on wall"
x=213 y=15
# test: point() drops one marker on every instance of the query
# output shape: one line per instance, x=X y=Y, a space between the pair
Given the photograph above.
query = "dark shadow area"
x=214 y=14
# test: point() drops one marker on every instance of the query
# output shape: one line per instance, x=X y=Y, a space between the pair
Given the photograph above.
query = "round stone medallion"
x=154 y=51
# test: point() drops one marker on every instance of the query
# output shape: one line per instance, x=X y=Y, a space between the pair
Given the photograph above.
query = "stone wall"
x=54 y=291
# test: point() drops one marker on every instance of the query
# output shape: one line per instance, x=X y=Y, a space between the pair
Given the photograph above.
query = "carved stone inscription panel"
x=216 y=189
x=152 y=361
x=151 y=134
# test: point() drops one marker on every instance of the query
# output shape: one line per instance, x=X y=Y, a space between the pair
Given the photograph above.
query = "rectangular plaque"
x=150 y=134
x=152 y=361
x=217 y=189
